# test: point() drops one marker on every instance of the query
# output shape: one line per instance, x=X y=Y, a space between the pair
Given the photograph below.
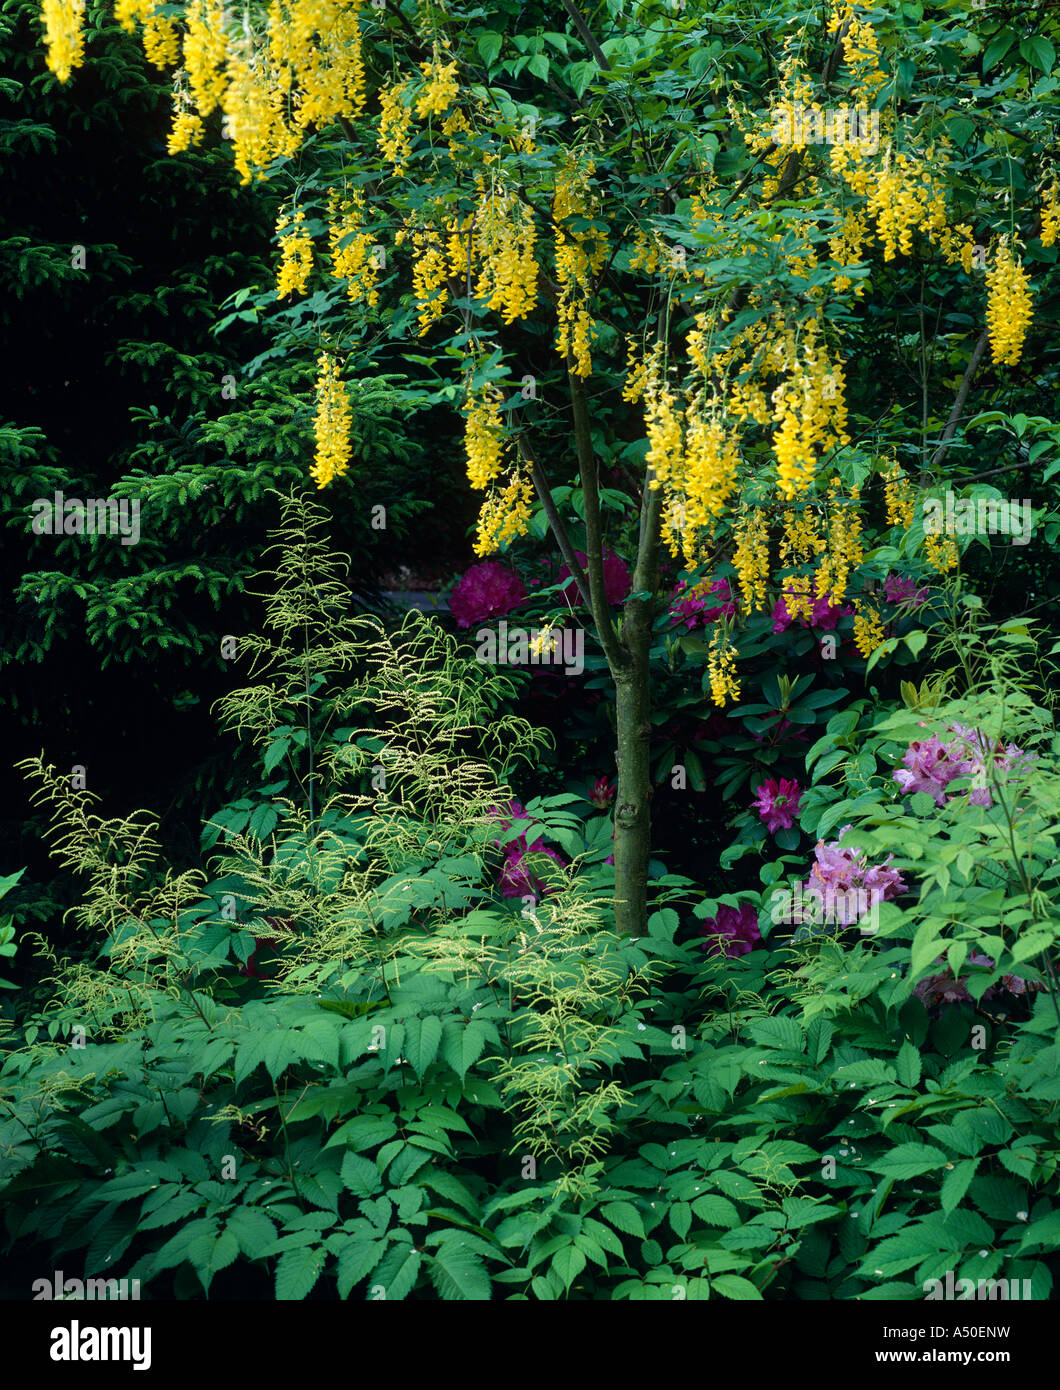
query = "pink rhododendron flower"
x=777 y=803
x=602 y=793
x=692 y=606
x=901 y=589
x=485 y=591
x=514 y=877
x=733 y=932
x=929 y=765
x=844 y=883
x=616 y=576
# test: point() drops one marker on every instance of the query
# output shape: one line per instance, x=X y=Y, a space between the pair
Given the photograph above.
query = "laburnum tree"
x=723 y=280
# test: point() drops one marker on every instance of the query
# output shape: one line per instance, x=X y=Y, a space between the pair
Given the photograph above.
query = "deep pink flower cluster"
x=929 y=765
x=944 y=989
x=777 y=803
x=846 y=885
x=514 y=879
x=901 y=589
x=617 y=579
x=602 y=793
x=825 y=615
x=733 y=932
x=692 y=606
x=488 y=590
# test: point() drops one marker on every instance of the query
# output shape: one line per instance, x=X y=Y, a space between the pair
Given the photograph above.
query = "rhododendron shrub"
x=487 y=590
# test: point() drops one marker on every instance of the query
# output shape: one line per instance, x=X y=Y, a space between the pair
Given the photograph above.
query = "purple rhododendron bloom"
x=485 y=591
x=846 y=885
x=733 y=932
x=616 y=576
x=901 y=589
x=514 y=878
x=777 y=803
x=929 y=765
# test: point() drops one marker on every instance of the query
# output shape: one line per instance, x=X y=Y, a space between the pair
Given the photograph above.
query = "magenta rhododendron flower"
x=514 y=879
x=929 y=765
x=694 y=605
x=733 y=932
x=616 y=576
x=825 y=615
x=901 y=589
x=777 y=803
x=602 y=793
x=485 y=591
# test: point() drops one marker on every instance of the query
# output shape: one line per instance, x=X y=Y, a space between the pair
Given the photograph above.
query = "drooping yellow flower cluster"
x=302 y=67
x=484 y=441
x=430 y=274
x=395 y=125
x=1008 y=309
x=355 y=257
x=504 y=245
x=801 y=539
x=331 y=425
x=868 y=630
x=845 y=551
x=296 y=255
x=721 y=668
x=809 y=412
x=751 y=556
x=205 y=52
x=940 y=552
x=899 y=496
x=440 y=87
x=580 y=255
x=505 y=514
x=63 y=36
x=1051 y=213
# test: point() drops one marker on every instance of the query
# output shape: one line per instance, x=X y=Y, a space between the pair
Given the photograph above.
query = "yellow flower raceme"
x=810 y=413
x=430 y=274
x=1051 y=214
x=751 y=556
x=579 y=257
x=395 y=125
x=353 y=250
x=296 y=256
x=187 y=130
x=721 y=668
x=1008 y=309
x=505 y=514
x=204 y=52
x=504 y=245
x=440 y=87
x=868 y=630
x=63 y=36
x=899 y=496
x=484 y=438
x=940 y=552
x=845 y=551
x=331 y=425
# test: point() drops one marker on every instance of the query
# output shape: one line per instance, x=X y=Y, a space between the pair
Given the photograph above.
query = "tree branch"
x=617 y=659
x=958 y=405
x=555 y=521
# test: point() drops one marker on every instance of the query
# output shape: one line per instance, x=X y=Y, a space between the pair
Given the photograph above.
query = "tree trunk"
x=633 y=720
